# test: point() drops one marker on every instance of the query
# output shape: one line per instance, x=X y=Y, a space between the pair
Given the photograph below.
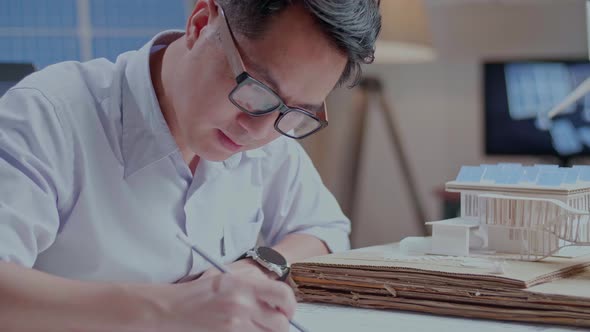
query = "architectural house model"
x=529 y=211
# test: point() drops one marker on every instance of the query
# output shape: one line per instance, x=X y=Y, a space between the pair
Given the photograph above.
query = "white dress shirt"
x=95 y=188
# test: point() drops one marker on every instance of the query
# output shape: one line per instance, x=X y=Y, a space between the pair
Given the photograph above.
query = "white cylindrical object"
x=578 y=93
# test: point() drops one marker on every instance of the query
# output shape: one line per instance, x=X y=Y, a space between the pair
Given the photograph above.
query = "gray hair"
x=352 y=25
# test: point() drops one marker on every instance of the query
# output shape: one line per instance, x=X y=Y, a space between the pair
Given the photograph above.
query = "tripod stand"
x=371 y=90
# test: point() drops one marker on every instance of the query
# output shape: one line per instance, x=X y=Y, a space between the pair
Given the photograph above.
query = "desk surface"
x=324 y=317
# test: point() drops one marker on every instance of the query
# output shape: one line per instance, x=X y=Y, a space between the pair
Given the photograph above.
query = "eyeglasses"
x=257 y=99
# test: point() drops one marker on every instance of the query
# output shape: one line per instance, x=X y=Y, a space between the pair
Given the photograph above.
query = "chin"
x=211 y=149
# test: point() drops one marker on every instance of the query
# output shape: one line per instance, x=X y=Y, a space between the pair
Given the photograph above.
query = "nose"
x=258 y=127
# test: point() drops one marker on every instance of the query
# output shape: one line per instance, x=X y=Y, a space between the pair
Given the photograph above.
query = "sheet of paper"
x=575 y=286
x=389 y=257
x=571 y=252
x=325 y=317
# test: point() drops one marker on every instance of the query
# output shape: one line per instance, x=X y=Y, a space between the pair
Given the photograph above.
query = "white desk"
x=324 y=317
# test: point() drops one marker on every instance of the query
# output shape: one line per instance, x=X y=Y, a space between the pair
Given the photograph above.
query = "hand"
x=245 y=267
x=230 y=302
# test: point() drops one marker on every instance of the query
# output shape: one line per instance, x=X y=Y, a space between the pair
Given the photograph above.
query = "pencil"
x=219 y=266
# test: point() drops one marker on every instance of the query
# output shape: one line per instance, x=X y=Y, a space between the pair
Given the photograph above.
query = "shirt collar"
x=233 y=161
x=146 y=137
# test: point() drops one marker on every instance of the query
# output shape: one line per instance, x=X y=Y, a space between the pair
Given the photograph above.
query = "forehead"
x=295 y=56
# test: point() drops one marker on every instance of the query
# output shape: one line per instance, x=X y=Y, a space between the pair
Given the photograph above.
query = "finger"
x=209 y=273
x=277 y=294
x=250 y=326
x=188 y=278
x=243 y=324
x=268 y=318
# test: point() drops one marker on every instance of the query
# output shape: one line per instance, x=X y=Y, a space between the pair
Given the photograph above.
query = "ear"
x=201 y=17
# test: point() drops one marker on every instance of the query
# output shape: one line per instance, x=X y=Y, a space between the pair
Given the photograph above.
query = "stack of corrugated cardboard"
x=554 y=291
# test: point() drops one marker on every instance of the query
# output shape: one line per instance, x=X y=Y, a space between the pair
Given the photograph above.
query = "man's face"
x=293 y=58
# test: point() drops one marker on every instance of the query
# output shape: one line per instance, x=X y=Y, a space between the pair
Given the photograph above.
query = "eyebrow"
x=271 y=81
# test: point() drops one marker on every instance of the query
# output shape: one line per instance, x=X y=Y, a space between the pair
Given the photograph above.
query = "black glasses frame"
x=283 y=109
x=234 y=58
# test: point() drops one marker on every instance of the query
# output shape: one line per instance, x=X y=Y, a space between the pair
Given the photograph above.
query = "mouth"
x=227 y=142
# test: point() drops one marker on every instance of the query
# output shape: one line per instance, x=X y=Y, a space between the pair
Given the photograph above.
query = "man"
x=103 y=164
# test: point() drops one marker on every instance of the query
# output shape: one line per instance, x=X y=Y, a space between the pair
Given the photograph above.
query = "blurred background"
x=455 y=82
x=48 y=31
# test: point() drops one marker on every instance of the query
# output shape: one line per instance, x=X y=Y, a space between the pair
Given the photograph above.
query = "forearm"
x=295 y=247
x=34 y=301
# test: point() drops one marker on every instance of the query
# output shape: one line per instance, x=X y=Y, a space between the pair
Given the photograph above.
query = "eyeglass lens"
x=256 y=99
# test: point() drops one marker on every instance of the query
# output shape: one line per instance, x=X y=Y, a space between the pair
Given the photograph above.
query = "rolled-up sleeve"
x=32 y=148
x=298 y=202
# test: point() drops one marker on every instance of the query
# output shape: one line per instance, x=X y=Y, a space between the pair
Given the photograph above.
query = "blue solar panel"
x=510 y=175
x=491 y=172
x=584 y=172
x=551 y=178
x=38 y=13
x=470 y=174
x=515 y=174
x=41 y=51
x=138 y=14
x=572 y=175
x=530 y=174
x=547 y=167
x=510 y=165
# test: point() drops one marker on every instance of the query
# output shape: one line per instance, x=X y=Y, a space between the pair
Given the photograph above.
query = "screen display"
x=517 y=96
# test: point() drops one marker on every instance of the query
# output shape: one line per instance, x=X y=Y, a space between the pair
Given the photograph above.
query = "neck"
x=162 y=74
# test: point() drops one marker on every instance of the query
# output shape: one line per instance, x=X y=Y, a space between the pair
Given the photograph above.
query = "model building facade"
x=529 y=211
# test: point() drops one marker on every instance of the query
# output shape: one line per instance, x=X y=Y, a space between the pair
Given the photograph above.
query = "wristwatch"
x=270 y=259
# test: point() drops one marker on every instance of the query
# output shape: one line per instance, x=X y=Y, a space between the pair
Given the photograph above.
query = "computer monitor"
x=516 y=96
x=12 y=73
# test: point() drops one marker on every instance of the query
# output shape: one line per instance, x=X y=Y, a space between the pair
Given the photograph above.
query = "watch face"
x=272 y=256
